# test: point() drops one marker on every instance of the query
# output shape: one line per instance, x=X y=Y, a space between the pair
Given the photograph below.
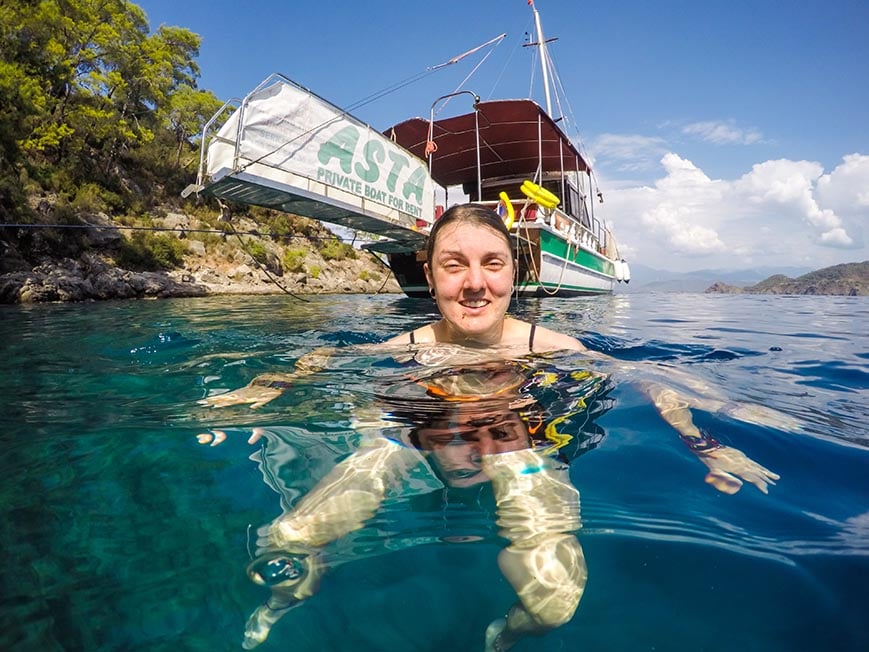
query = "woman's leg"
x=349 y=495
x=538 y=509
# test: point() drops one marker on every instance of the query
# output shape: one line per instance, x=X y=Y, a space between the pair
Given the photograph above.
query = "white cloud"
x=628 y=153
x=837 y=237
x=781 y=212
x=785 y=185
x=683 y=193
x=846 y=189
x=722 y=133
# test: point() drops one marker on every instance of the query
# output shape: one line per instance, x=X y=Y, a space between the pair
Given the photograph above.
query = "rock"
x=11 y=259
x=849 y=279
x=723 y=288
x=273 y=265
x=196 y=247
x=75 y=269
x=176 y=221
x=103 y=235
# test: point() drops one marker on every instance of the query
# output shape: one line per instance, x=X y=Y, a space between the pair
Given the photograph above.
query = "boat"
x=284 y=147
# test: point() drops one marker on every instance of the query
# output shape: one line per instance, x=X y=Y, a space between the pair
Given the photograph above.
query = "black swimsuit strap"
x=412 y=338
x=531 y=338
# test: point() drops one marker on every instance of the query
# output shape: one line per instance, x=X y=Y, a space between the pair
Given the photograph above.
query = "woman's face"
x=458 y=442
x=471 y=271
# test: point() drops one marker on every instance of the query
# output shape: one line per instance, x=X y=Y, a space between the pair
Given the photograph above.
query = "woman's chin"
x=480 y=330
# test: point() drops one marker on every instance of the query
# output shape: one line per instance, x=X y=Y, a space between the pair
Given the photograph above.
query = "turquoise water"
x=120 y=532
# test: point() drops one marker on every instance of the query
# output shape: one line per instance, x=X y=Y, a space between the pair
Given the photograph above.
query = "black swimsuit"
x=530 y=338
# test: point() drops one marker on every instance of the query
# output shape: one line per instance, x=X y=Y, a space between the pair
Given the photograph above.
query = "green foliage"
x=365 y=275
x=210 y=240
x=147 y=251
x=315 y=271
x=205 y=212
x=336 y=250
x=89 y=93
x=88 y=199
x=188 y=109
x=256 y=250
x=294 y=260
x=281 y=226
x=64 y=212
x=13 y=205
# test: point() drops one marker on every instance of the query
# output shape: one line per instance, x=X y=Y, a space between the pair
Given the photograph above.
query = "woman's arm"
x=267 y=387
x=726 y=464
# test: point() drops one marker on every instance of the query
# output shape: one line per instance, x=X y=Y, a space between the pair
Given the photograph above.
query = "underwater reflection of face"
x=458 y=440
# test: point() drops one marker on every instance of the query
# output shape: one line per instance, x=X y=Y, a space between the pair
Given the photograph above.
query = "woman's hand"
x=261 y=390
x=726 y=463
x=217 y=437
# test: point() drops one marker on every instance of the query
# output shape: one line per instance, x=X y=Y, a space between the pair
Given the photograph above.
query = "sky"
x=724 y=134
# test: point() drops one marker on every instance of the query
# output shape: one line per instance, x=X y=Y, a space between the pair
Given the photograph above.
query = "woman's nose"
x=485 y=445
x=474 y=277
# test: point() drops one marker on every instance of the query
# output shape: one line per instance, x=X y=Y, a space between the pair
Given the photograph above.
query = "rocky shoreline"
x=206 y=269
x=848 y=279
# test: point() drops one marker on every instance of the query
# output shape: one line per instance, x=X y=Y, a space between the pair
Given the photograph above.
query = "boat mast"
x=544 y=57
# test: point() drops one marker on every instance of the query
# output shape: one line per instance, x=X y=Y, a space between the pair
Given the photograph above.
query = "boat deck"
x=348 y=211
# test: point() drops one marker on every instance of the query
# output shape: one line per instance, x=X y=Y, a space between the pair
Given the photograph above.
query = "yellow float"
x=508 y=214
x=539 y=194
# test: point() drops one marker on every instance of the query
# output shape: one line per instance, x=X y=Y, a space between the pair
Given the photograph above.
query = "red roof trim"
x=508 y=143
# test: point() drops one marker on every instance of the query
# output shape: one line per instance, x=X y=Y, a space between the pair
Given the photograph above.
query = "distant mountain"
x=649 y=279
x=848 y=279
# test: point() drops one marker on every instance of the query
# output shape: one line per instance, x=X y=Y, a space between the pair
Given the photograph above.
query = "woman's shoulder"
x=549 y=340
x=541 y=339
x=421 y=335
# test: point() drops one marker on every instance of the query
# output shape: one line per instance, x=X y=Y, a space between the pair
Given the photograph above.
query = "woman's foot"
x=260 y=623
x=493 y=635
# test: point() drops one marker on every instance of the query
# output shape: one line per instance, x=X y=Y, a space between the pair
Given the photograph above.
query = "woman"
x=470 y=272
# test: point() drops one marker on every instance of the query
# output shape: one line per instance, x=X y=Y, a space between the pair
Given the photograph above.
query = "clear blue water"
x=120 y=532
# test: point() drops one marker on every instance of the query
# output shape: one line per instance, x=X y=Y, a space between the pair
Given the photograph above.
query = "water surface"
x=120 y=532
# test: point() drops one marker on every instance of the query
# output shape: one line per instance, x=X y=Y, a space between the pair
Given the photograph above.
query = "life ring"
x=539 y=194
x=505 y=210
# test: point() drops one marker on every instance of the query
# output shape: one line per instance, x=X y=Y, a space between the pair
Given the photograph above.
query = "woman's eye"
x=503 y=434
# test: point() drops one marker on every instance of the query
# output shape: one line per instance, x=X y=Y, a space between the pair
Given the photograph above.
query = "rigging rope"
x=180 y=231
x=262 y=267
x=382 y=93
x=499 y=39
x=533 y=263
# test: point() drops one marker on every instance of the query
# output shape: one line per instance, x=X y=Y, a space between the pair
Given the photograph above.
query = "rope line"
x=232 y=231
x=180 y=231
x=263 y=268
x=533 y=263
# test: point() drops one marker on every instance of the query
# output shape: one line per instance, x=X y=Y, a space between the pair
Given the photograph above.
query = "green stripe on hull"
x=563 y=288
x=556 y=246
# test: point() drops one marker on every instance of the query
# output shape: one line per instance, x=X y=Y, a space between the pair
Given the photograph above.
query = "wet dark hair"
x=472 y=214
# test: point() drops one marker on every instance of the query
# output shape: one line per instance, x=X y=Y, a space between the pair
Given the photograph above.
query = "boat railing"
x=592 y=239
x=212 y=126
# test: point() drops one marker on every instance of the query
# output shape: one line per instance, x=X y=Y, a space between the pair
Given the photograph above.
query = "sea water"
x=121 y=532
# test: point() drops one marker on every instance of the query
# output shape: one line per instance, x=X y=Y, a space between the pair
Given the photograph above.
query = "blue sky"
x=724 y=134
